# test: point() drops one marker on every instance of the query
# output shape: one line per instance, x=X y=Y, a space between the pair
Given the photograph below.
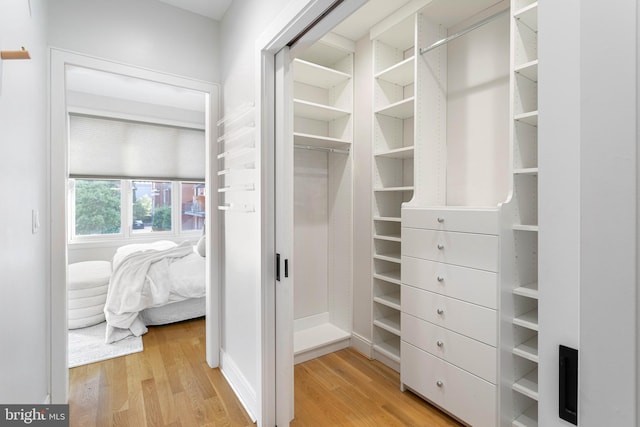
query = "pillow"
x=201 y=246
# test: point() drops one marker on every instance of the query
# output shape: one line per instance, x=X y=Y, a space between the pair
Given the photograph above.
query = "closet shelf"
x=317 y=75
x=525 y=227
x=246 y=187
x=391 y=257
x=528 y=419
x=236 y=152
x=381 y=189
x=389 y=324
x=526 y=171
x=388 y=237
x=246 y=167
x=529 y=290
x=528 y=70
x=528 y=16
x=390 y=300
x=400 y=74
x=392 y=276
x=388 y=349
x=528 y=350
x=530 y=118
x=528 y=385
x=315 y=111
x=387 y=218
x=320 y=141
x=397 y=153
x=528 y=320
x=230 y=207
x=239 y=113
x=236 y=135
x=400 y=110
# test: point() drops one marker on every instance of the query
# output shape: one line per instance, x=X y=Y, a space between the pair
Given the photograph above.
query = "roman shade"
x=113 y=148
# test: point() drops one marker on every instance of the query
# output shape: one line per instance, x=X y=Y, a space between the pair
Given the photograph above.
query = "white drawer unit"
x=481 y=221
x=469 y=284
x=468 y=397
x=471 y=320
x=466 y=249
x=451 y=347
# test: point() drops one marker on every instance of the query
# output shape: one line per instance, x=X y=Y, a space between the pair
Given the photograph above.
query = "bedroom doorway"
x=87 y=88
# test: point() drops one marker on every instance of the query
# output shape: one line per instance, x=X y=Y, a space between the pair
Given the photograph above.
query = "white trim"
x=240 y=385
x=362 y=345
x=59 y=387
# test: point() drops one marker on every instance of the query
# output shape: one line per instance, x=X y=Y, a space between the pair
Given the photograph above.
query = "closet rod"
x=462 y=32
x=330 y=150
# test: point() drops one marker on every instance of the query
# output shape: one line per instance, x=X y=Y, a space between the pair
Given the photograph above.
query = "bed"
x=153 y=284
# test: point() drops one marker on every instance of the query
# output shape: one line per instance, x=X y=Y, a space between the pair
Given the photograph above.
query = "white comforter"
x=150 y=278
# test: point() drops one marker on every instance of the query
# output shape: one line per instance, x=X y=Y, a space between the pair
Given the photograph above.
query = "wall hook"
x=15 y=54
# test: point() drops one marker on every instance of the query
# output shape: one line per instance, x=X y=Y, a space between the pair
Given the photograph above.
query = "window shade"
x=116 y=148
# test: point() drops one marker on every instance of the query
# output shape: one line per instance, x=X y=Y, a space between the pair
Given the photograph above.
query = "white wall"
x=24 y=265
x=243 y=23
x=145 y=33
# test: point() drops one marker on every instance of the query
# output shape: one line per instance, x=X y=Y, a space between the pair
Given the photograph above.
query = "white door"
x=284 y=237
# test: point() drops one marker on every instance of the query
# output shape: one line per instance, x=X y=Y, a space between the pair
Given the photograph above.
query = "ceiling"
x=214 y=9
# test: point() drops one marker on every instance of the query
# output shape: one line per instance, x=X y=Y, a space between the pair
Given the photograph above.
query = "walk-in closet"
x=446 y=130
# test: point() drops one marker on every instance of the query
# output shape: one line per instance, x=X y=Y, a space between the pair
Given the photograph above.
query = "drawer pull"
x=439 y=383
x=439 y=343
x=439 y=311
x=440 y=279
x=440 y=246
x=440 y=219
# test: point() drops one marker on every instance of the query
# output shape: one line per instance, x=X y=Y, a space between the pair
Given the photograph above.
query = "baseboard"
x=362 y=345
x=241 y=387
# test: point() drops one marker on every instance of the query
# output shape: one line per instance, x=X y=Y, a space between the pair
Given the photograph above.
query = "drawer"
x=471 y=320
x=469 y=398
x=465 y=249
x=471 y=355
x=468 y=284
x=483 y=221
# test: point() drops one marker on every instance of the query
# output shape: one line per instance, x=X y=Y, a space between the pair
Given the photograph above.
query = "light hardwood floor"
x=169 y=384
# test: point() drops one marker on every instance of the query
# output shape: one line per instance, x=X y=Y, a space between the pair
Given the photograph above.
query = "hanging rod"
x=461 y=32
x=330 y=150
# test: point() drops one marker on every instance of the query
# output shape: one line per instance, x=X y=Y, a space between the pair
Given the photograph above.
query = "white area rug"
x=87 y=345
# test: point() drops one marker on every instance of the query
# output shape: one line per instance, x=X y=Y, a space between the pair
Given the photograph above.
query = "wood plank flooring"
x=169 y=384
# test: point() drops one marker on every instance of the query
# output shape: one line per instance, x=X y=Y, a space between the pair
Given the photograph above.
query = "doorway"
x=62 y=62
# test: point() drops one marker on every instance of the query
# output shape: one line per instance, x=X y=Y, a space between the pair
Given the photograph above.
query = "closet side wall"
x=361 y=152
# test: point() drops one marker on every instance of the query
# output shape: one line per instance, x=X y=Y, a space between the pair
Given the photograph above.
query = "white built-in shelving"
x=520 y=328
x=322 y=137
x=393 y=150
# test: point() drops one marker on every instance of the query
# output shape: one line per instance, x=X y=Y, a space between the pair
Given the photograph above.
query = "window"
x=96 y=207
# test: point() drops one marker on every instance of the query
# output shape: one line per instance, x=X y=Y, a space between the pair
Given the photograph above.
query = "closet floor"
x=170 y=384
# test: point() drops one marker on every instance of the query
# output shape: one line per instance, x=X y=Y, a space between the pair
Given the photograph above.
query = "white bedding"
x=146 y=276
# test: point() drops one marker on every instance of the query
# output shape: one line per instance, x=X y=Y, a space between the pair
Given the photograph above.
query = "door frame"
x=59 y=59
x=294 y=20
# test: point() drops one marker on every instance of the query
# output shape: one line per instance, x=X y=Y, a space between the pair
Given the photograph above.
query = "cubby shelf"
x=388 y=237
x=320 y=141
x=528 y=16
x=528 y=350
x=389 y=349
x=387 y=218
x=530 y=118
x=391 y=257
x=525 y=227
x=526 y=171
x=392 y=276
x=529 y=290
x=528 y=385
x=317 y=75
x=528 y=419
x=400 y=74
x=381 y=189
x=528 y=70
x=390 y=300
x=400 y=110
x=397 y=153
x=389 y=324
x=528 y=320
x=315 y=111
